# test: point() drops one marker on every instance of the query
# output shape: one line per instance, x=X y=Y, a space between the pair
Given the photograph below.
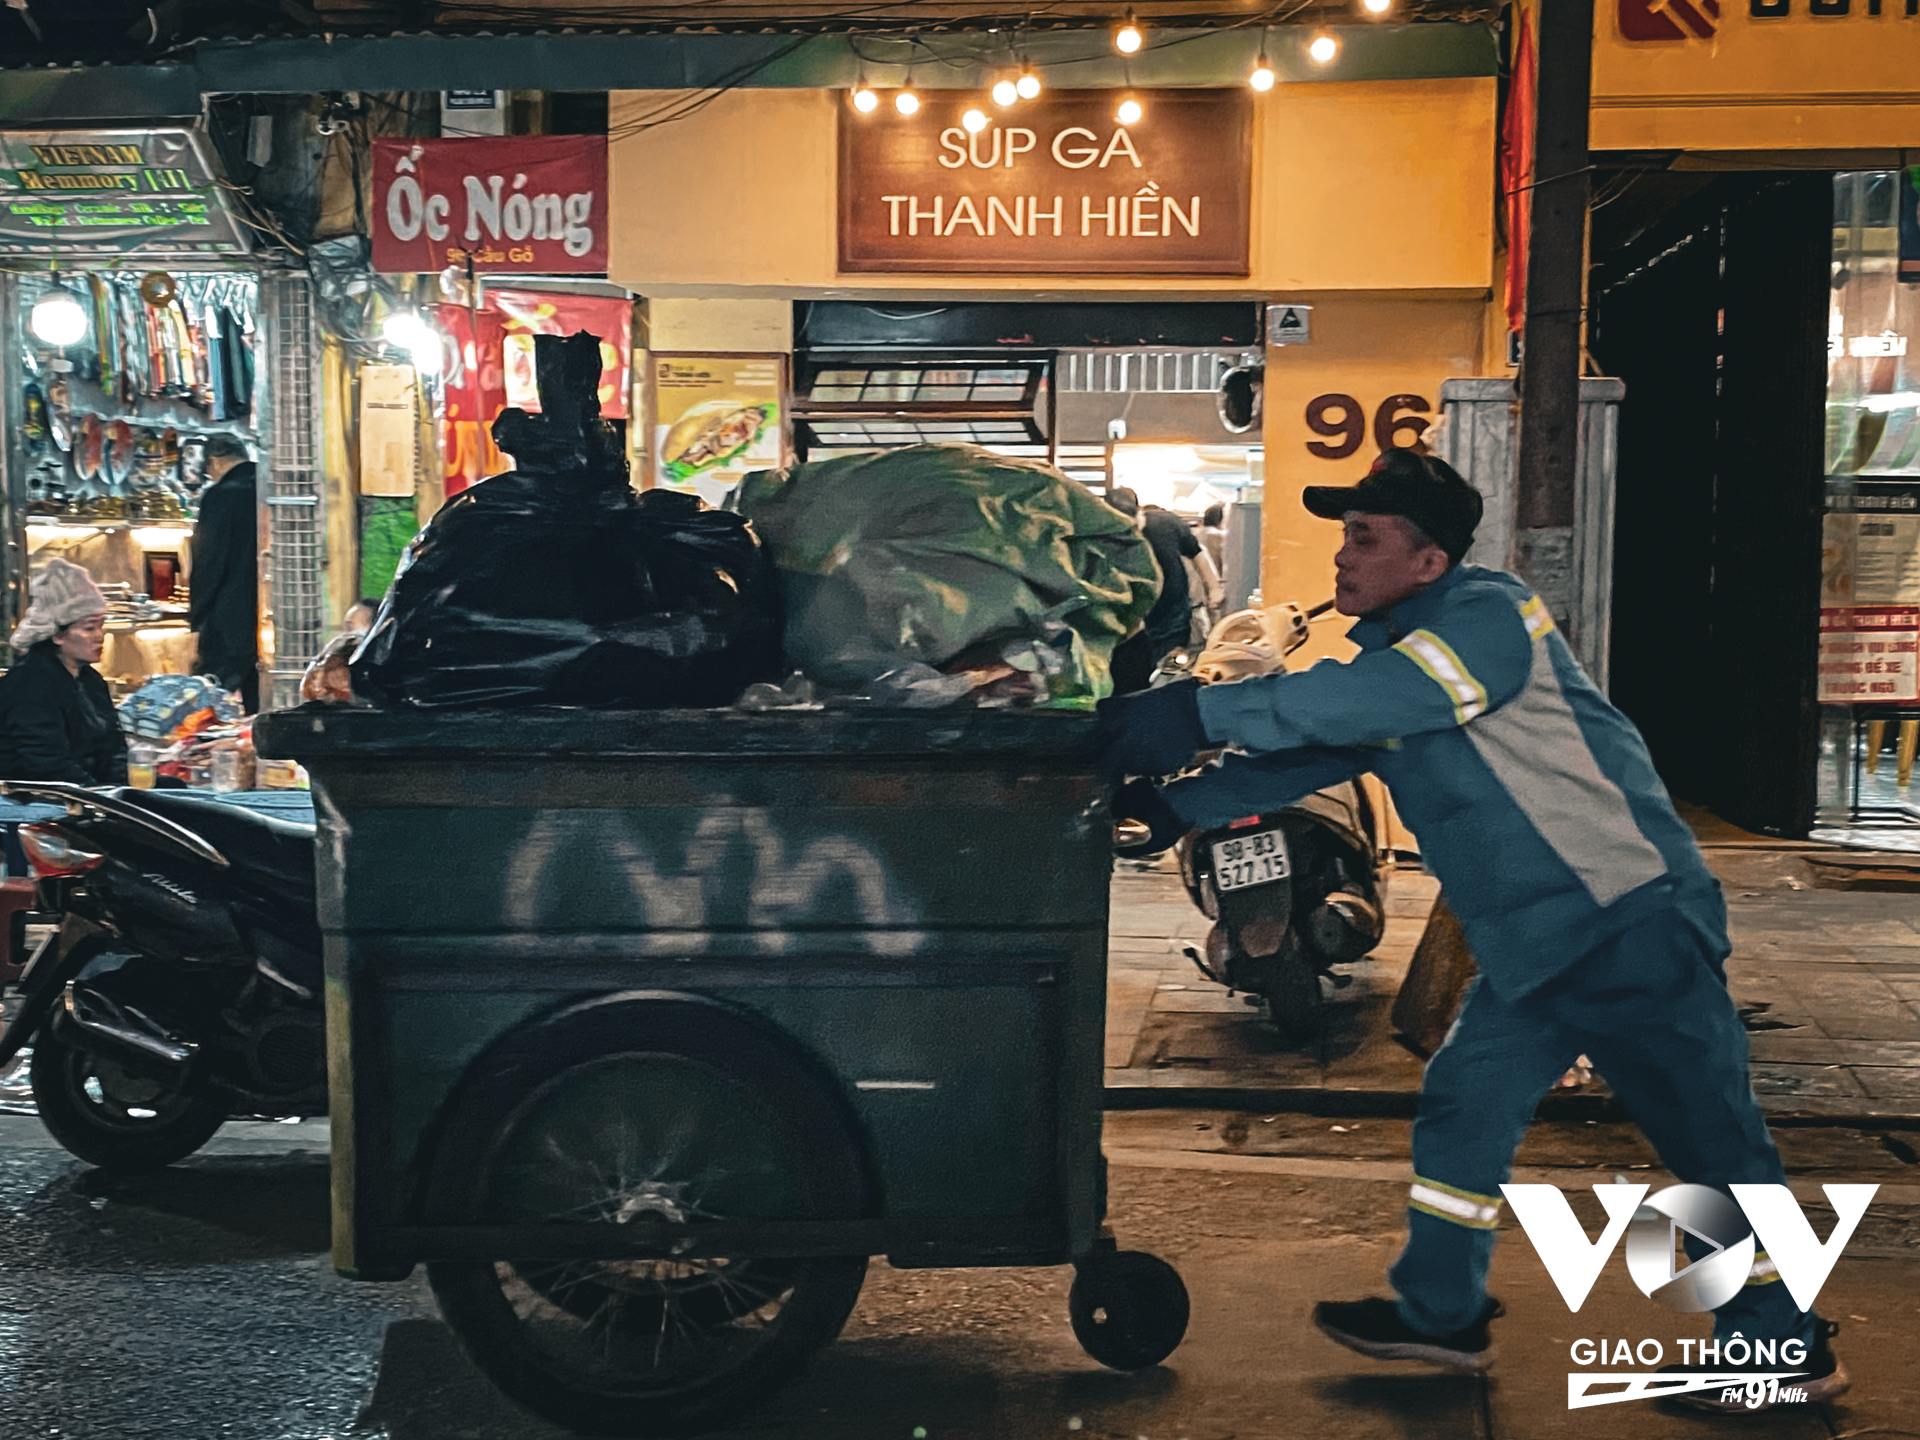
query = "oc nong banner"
x=528 y=204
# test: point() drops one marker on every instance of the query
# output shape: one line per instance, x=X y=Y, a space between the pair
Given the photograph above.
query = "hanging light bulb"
x=408 y=330
x=864 y=100
x=1130 y=111
x=1323 y=48
x=1028 y=85
x=906 y=101
x=975 y=119
x=1377 y=7
x=58 y=316
x=1262 y=77
x=1005 y=91
x=1129 y=38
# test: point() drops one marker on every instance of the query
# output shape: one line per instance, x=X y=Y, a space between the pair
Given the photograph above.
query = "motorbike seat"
x=276 y=852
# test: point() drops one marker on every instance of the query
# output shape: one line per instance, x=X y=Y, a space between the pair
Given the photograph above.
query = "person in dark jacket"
x=57 y=720
x=225 y=605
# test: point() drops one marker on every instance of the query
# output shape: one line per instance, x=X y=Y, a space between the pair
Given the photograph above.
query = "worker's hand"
x=1141 y=801
x=1152 y=732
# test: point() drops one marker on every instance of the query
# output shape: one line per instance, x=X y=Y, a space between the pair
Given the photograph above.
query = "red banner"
x=475 y=389
x=525 y=204
x=527 y=313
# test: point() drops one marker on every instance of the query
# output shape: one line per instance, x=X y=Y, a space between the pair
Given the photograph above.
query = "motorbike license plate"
x=1259 y=858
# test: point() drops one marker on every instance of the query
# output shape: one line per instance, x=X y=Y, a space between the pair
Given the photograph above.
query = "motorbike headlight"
x=53 y=852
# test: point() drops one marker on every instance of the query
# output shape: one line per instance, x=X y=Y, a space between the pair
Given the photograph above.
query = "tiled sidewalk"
x=1830 y=980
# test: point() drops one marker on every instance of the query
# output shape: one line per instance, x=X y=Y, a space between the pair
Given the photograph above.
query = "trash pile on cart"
x=930 y=576
x=705 y=1007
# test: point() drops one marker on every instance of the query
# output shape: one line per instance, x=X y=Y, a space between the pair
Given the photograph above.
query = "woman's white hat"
x=63 y=593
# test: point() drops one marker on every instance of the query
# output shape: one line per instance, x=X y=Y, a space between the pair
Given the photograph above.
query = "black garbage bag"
x=554 y=584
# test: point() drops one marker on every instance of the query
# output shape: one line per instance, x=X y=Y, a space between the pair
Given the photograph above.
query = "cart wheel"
x=1129 y=1309
x=652 y=1110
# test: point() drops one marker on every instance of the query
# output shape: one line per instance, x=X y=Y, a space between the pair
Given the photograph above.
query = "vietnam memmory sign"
x=112 y=192
x=1056 y=186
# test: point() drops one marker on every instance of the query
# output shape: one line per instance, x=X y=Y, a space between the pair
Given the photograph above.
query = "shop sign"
x=1691 y=19
x=112 y=192
x=1869 y=652
x=1058 y=187
x=529 y=204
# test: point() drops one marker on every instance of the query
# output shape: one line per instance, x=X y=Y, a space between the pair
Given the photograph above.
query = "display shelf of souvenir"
x=116 y=426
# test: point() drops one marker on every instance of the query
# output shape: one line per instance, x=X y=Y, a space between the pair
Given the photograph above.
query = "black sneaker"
x=1374 y=1327
x=1823 y=1378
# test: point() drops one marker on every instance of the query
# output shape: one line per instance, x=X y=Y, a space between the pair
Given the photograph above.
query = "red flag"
x=1516 y=169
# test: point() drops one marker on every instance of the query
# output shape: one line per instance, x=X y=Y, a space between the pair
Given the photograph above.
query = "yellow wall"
x=1370 y=349
x=1382 y=185
x=752 y=326
x=1798 y=82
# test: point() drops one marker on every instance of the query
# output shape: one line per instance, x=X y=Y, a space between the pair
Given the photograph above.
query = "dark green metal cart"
x=691 y=1012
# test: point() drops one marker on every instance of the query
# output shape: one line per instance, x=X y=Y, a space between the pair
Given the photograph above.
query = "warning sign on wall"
x=1869 y=653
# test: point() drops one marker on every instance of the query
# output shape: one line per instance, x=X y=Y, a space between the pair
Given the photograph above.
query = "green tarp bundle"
x=938 y=552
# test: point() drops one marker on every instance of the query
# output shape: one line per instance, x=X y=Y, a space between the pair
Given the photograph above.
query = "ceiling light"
x=1129 y=112
x=1323 y=48
x=975 y=119
x=1128 y=38
x=1262 y=77
x=1028 y=84
x=58 y=317
x=905 y=101
x=864 y=100
x=1005 y=91
x=1377 y=7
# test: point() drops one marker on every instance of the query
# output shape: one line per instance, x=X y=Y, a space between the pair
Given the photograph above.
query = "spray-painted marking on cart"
x=784 y=889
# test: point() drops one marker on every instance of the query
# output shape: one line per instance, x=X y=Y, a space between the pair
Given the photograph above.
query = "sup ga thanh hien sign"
x=1057 y=187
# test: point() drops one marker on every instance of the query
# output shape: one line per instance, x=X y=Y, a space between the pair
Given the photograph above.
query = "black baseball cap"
x=1423 y=488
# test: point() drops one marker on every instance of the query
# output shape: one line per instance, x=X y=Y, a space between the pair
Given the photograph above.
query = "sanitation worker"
x=1596 y=924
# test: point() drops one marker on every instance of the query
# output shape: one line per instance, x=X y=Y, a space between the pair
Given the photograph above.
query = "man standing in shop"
x=225 y=582
x=1596 y=925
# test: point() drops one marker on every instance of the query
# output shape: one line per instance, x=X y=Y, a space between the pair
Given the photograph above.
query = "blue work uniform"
x=1595 y=923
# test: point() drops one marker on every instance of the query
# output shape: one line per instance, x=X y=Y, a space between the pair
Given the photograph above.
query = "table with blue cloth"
x=292 y=805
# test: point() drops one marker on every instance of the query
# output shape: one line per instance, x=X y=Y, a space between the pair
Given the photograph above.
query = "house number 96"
x=1342 y=416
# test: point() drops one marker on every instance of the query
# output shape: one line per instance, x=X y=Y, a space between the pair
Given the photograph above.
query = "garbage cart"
x=648 y=1028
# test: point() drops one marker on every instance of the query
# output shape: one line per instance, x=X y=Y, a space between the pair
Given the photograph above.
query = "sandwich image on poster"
x=712 y=433
x=716 y=417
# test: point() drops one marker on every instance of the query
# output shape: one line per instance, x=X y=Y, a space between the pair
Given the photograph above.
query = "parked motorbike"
x=1295 y=892
x=184 y=983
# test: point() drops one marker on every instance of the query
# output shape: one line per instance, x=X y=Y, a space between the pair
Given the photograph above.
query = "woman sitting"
x=57 y=720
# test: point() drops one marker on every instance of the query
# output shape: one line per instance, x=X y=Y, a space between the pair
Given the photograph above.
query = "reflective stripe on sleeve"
x=1462 y=1207
x=1444 y=668
x=1763 y=1271
x=1539 y=620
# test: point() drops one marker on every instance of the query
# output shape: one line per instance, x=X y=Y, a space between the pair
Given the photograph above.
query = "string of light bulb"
x=1129 y=38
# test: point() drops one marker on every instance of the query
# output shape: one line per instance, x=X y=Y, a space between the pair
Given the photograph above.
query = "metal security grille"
x=1127 y=372
x=293 y=575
